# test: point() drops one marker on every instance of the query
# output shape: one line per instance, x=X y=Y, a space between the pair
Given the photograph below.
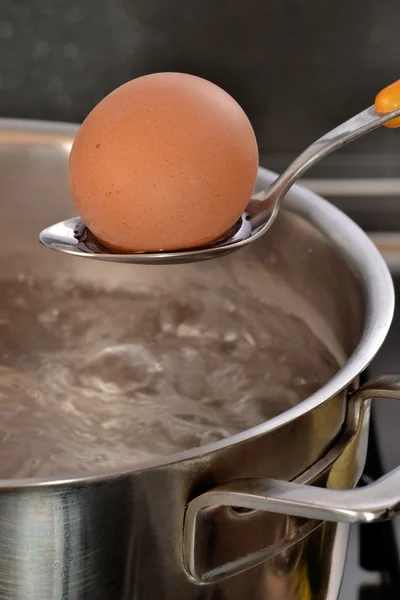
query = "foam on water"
x=91 y=380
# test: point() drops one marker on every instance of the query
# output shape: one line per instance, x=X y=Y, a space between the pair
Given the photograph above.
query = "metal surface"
x=73 y=237
x=378 y=501
x=92 y=537
x=375 y=502
x=372 y=558
x=206 y=512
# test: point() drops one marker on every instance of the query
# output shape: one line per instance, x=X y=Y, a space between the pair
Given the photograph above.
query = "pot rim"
x=356 y=248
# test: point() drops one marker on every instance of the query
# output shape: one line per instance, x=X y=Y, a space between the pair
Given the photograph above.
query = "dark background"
x=298 y=67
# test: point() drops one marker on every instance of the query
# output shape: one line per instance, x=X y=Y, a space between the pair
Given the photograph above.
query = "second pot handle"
x=378 y=501
x=375 y=502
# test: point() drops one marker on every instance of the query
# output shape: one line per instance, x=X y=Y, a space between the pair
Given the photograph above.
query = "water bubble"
x=185 y=330
x=230 y=336
x=49 y=316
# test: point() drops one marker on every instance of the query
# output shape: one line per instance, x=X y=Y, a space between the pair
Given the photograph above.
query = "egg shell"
x=167 y=161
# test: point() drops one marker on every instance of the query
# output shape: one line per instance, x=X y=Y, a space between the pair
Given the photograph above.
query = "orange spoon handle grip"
x=387 y=100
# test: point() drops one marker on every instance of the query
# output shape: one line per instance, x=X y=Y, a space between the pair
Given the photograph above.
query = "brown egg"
x=165 y=162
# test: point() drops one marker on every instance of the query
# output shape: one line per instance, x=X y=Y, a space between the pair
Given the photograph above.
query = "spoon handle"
x=350 y=130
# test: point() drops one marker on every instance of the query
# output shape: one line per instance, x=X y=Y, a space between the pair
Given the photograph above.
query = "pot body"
x=119 y=535
x=122 y=538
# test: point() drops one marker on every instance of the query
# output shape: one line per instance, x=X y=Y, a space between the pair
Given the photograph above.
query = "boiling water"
x=91 y=380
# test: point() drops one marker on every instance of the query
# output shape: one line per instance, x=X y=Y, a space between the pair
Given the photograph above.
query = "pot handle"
x=378 y=501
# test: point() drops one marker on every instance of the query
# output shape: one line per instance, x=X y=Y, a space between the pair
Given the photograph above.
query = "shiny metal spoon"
x=73 y=237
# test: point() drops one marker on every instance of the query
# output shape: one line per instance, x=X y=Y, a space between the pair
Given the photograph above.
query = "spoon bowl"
x=73 y=237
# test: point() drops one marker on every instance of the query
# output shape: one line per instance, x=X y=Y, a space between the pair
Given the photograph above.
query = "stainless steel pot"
x=246 y=517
